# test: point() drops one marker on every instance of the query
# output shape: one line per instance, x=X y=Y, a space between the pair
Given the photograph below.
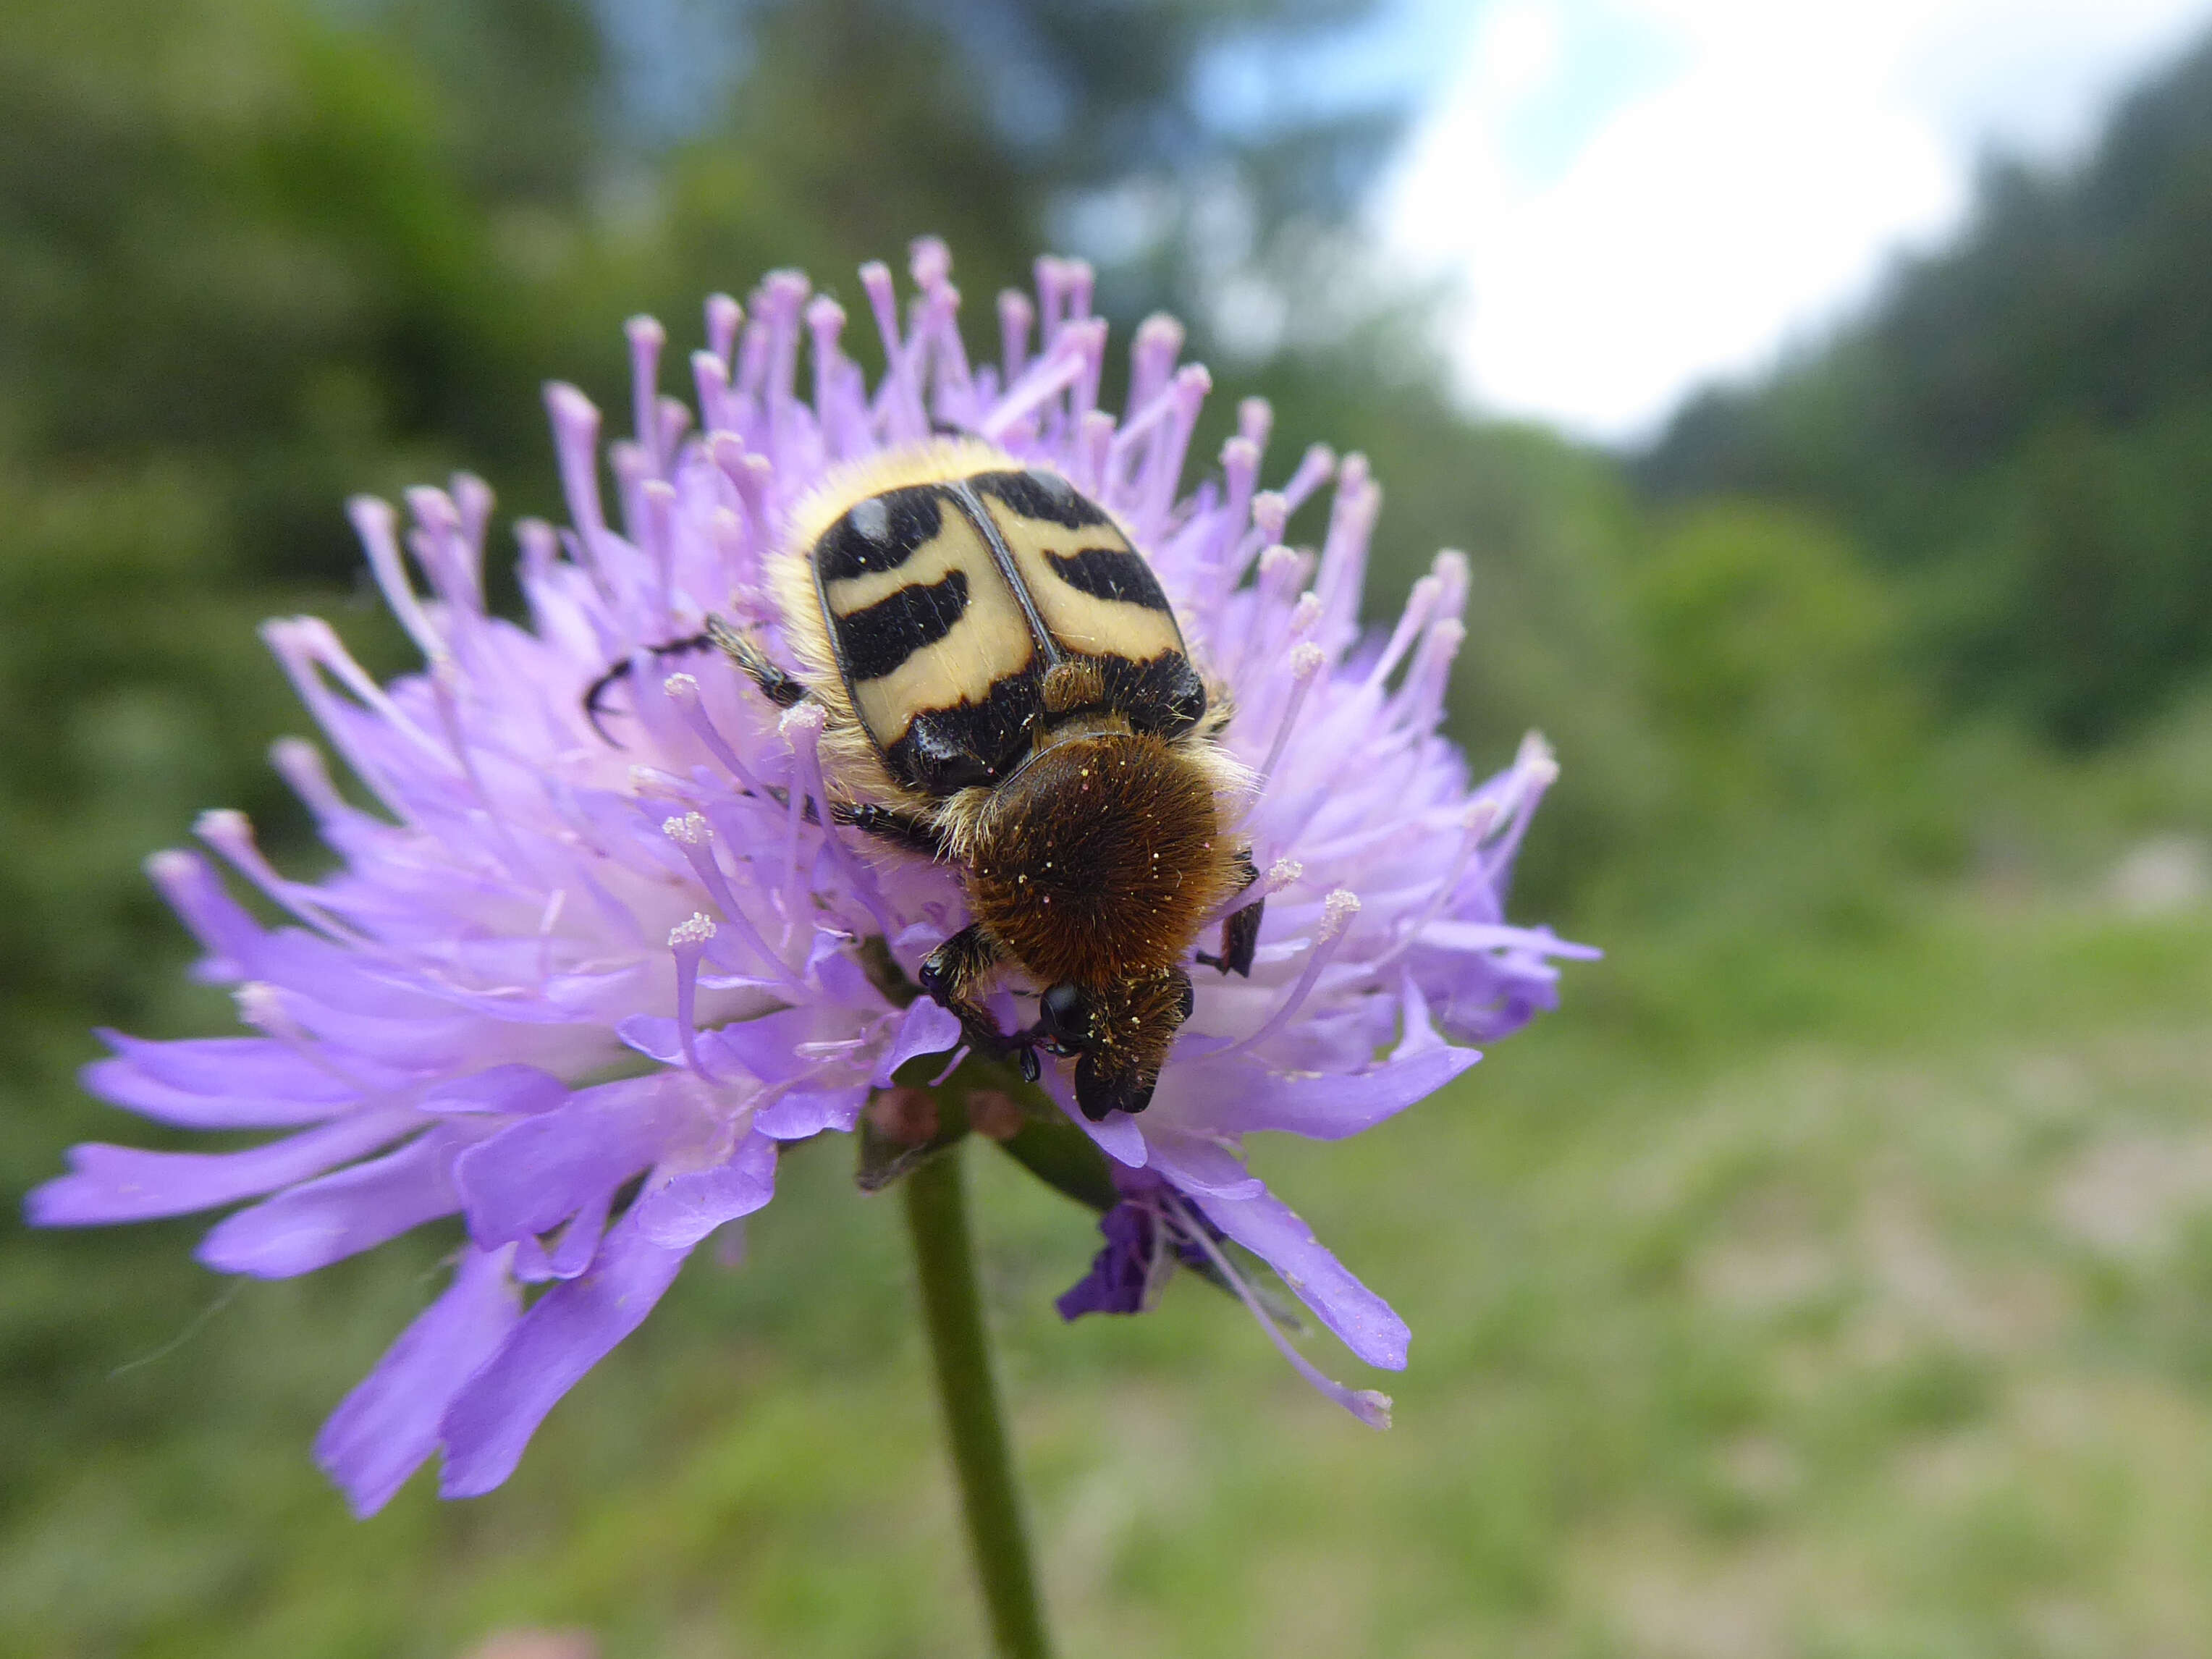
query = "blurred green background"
x=1832 y=1276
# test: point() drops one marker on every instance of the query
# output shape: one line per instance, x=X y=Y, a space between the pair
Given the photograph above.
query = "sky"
x=1629 y=198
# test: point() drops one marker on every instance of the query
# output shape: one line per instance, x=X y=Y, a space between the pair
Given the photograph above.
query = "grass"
x=1854 y=1304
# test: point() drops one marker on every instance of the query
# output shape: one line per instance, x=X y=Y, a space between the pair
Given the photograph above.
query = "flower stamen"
x=1306 y=663
x=682 y=690
x=1337 y=911
x=693 y=837
x=1370 y=1405
x=688 y=940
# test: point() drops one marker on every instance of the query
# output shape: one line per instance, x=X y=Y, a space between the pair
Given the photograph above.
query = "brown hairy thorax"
x=1096 y=863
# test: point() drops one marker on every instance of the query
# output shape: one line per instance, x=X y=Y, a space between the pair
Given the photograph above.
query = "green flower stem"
x=937 y=1217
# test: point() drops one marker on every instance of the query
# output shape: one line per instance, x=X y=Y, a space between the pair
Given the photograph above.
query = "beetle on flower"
x=581 y=992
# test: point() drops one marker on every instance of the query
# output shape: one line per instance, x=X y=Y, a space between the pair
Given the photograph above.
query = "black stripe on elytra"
x=1042 y=494
x=880 y=533
x=1109 y=573
x=945 y=750
x=873 y=641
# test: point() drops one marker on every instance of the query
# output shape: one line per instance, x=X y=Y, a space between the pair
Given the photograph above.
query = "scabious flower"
x=579 y=974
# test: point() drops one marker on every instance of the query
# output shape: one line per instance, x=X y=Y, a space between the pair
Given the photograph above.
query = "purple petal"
x=519 y=1091
x=655 y=1036
x=1321 y=1108
x=842 y=980
x=382 y=1431
x=679 y=1214
x=1119 y=1137
x=572 y=1327
x=1449 y=934
x=1197 y=1165
x=1265 y=1226
x=800 y=1113
x=578 y=1244
x=258 y=1067
x=1115 y=1283
x=128 y=1183
x=1421 y=1031
x=766 y=1047
x=232 y=937
x=322 y=1221
x=928 y=1028
x=125 y=1084
x=536 y=1174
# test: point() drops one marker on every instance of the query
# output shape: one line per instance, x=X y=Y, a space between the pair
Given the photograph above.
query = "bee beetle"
x=1005 y=688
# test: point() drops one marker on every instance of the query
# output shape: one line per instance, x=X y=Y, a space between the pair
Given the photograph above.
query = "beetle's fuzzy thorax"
x=1100 y=860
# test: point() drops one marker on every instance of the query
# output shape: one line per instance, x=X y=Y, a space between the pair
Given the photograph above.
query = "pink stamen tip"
x=475 y=498
x=223 y=824
x=377 y=525
x=1535 y=760
x=300 y=764
x=170 y=868
x=1016 y=318
x=647 y=338
x=883 y=298
x=724 y=317
x=261 y=1005
x=540 y=548
x=710 y=377
x=929 y=262
x=575 y=442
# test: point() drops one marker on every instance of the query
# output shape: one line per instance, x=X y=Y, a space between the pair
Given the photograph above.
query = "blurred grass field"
x=1886 y=1333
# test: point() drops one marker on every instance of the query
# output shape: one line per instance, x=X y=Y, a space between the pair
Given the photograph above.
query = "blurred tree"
x=1952 y=429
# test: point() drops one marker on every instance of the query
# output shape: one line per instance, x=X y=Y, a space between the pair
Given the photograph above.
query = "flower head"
x=582 y=970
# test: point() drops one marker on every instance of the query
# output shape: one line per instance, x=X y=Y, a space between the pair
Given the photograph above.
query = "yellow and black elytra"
x=1006 y=688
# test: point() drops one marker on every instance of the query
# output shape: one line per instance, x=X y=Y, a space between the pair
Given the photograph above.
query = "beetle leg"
x=901 y=830
x=779 y=685
x=1239 y=940
x=1240 y=929
x=595 y=693
x=952 y=972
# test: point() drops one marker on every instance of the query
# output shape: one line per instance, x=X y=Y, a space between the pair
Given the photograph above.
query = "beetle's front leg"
x=949 y=976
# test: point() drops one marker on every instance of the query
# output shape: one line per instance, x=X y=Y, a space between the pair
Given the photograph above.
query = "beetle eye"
x=1065 y=1012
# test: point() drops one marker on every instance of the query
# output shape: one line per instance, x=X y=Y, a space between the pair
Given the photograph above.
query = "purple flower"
x=579 y=993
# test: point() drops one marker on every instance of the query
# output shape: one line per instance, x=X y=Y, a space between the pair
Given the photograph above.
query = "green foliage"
x=2090 y=596
x=1774 y=668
